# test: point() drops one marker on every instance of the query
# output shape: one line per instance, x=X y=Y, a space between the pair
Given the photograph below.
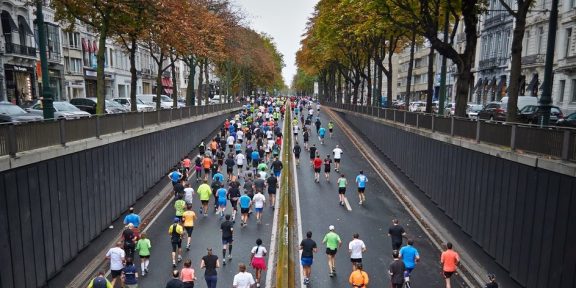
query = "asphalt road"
x=320 y=208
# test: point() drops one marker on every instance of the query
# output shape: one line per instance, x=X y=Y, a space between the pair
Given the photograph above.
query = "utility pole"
x=443 y=68
x=546 y=98
x=47 y=100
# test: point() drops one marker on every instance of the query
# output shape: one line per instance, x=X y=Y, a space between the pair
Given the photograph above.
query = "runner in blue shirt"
x=321 y=134
x=218 y=177
x=361 y=180
x=221 y=194
x=255 y=159
x=245 y=202
x=410 y=256
x=175 y=176
x=238 y=148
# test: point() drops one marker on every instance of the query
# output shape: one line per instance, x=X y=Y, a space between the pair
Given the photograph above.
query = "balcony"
x=535 y=59
x=492 y=63
x=12 y=48
x=495 y=19
x=54 y=57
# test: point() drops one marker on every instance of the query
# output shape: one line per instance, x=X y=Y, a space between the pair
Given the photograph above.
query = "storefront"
x=20 y=88
x=74 y=88
x=90 y=83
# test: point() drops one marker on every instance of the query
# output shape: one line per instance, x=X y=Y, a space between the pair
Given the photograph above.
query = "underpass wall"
x=522 y=216
x=51 y=210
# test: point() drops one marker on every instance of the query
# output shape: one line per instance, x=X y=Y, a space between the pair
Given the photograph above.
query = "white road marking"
x=347 y=204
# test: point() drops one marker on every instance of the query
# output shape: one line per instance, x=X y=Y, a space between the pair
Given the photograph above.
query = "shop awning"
x=94 y=47
x=167 y=85
x=533 y=86
x=8 y=24
x=85 y=45
x=24 y=23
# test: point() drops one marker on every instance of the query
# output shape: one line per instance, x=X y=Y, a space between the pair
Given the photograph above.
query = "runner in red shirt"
x=317 y=164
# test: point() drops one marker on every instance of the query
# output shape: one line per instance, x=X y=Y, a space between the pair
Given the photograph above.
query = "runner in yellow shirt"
x=188 y=218
x=204 y=191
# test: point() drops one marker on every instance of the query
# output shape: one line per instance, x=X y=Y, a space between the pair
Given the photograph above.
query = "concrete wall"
x=522 y=216
x=50 y=210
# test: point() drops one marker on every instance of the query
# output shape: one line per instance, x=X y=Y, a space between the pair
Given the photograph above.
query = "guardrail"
x=556 y=142
x=21 y=137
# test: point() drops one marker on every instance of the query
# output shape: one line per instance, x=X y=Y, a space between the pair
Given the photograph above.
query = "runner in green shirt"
x=204 y=192
x=342 y=182
x=143 y=247
x=333 y=242
x=180 y=206
x=330 y=128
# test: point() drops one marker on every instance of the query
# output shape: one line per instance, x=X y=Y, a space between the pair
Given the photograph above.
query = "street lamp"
x=47 y=100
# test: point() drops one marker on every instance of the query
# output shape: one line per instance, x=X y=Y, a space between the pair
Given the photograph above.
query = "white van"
x=522 y=101
x=165 y=101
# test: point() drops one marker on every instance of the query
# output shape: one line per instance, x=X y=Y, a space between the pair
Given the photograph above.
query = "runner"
x=318 y=124
x=132 y=218
x=188 y=218
x=243 y=279
x=222 y=193
x=117 y=257
x=206 y=164
x=358 y=278
x=259 y=201
x=198 y=167
x=337 y=157
x=234 y=195
x=330 y=128
x=175 y=176
x=321 y=135
x=333 y=242
x=312 y=153
x=492 y=283
x=305 y=137
x=342 y=183
x=175 y=231
x=188 y=194
x=276 y=166
x=295 y=129
x=356 y=247
x=100 y=281
x=257 y=259
x=179 y=207
x=396 y=233
x=201 y=147
x=186 y=163
x=227 y=229
x=187 y=274
x=230 y=142
x=129 y=274
x=216 y=184
x=317 y=165
x=143 y=247
x=272 y=184
x=204 y=193
x=297 y=150
x=210 y=263
x=276 y=149
x=308 y=247
x=255 y=159
x=213 y=146
x=327 y=166
x=361 y=180
x=245 y=204
x=450 y=261
x=220 y=157
x=410 y=257
x=238 y=147
x=240 y=159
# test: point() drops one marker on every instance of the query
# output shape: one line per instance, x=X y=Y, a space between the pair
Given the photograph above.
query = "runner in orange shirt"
x=186 y=164
x=206 y=164
x=450 y=261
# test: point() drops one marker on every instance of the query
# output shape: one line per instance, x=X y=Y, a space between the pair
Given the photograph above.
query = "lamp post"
x=546 y=98
x=47 y=100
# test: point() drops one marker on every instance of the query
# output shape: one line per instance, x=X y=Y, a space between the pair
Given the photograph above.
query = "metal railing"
x=21 y=137
x=556 y=142
x=12 y=48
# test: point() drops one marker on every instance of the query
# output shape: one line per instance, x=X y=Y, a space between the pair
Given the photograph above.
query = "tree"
x=302 y=83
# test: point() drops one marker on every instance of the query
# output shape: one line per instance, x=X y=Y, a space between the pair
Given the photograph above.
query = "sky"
x=285 y=21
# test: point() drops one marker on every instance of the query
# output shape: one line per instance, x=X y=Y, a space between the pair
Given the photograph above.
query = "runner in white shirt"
x=117 y=257
x=230 y=142
x=188 y=194
x=295 y=130
x=243 y=279
x=356 y=247
x=269 y=134
x=337 y=156
x=240 y=158
x=240 y=135
x=259 y=199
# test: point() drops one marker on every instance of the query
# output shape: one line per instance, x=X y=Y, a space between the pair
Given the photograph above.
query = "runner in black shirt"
x=312 y=152
x=210 y=263
x=308 y=247
x=297 y=150
x=272 y=183
x=396 y=232
x=227 y=228
x=327 y=164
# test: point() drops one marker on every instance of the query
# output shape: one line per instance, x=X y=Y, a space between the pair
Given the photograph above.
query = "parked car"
x=62 y=110
x=417 y=106
x=140 y=106
x=11 y=113
x=493 y=111
x=165 y=101
x=450 y=109
x=214 y=100
x=473 y=110
x=89 y=105
x=568 y=121
x=532 y=113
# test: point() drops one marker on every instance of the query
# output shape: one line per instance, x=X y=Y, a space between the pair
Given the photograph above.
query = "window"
x=561 y=91
x=541 y=41
x=73 y=39
x=573 y=90
x=568 y=42
x=73 y=65
x=572 y=3
x=526 y=43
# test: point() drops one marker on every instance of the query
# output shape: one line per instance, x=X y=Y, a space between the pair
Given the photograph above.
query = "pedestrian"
x=204 y=193
x=257 y=259
x=186 y=163
x=100 y=281
x=206 y=164
x=410 y=257
x=188 y=194
x=330 y=128
x=240 y=159
x=143 y=247
x=259 y=200
x=492 y=283
x=321 y=135
x=337 y=157
x=188 y=218
x=317 y=165
x=175 y=176
x=243 y=279
x=276 y=166
x=187 y=275
x=130 y=274
x=356 y=247
x=198 y=167
x=117 y=256
x=202 y=147
x=449 y=260
x=308 y=247
x=216 y=184
x=129 y=238
x=396 y=271
x=272 y=184
x=358 y=278
x=342 y=183
x=175 y=282
x=175 y=231
x=297 y=150
x=230 y=165
x=178 y=188
x=396 y=233
x=133 y=218
x=361 y=180
x=313 y=155
x=245 y=204
x=234 y=195
x=221 y=194
x=179 y=206
x=227 y=229
x=333 y=242
x=306 y=137
x=210 y=263
x=327 y=166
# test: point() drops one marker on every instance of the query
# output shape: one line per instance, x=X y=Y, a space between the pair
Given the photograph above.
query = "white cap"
x=331 y=227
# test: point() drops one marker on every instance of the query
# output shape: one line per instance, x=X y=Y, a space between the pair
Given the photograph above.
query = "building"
x=564 y=86
x=419 y=84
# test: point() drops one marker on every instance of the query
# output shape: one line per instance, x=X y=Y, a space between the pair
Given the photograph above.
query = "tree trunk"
x=355 y=86
x=174 y=86
x=430 y=87
x=380 y=77
x=207 y=76
x=190 y=92
x=133 y=74
x=159 y=85
x=410 y=68
x=369 y=85
x=363 y=86
x=200 y=81
x=339 y=89
x=100 y=62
